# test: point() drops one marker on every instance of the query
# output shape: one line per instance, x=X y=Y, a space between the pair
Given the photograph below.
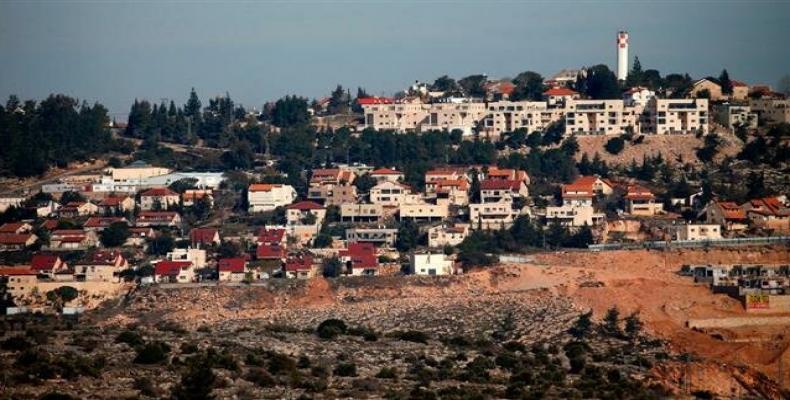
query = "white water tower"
x=622 y=55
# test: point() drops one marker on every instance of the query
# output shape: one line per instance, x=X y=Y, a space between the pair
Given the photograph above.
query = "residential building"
x=78 y=209
x=443 y=174
x=102 y=266
x=270 y=251
x=203 y=237
x=727 y=214
x=47 y=264
x=642 y=202
x=392 y=194
x=231 y=269
x=19 y=281
x=72 y=239
x=559 y=96
x=332 y=195
x=447 y=235
x=740 y=91
x=98 y=224
x=676 y=117
x=305 y=213
x=158 y=199
x=192 y=196
x=379 y=236
x=136 y=172
x=431 y=264
x=272 y=236
x=448 y=192
x=506 y=174
x=600 y=117
x=565 y=77
x=733 y=116
x=772 y=111
x=174 y=272
x=15 y=241
x=771 y=213
x=13 y=201
x=138 y=236
x=158 y=218
x=423 y=211
x=638 y=96
x=361 y=212
x=496 y=190
x=360 y=259
x=574 y=215
x=299 y=266
x=334 y=176
x=707 y=88
x=16 y=228
x=581 y=191
x=114 y=205
x=506 y=116
x=492 y=216
x=197 y=257
x=386 y=174
x=697 y=232
x=266 y=197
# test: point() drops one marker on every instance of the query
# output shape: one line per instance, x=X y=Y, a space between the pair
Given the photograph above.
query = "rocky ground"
x=497 y=333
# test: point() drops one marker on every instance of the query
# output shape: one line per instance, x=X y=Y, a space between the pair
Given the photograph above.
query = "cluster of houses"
x=761 y=287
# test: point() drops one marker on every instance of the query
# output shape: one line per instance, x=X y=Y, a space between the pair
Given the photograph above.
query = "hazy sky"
x=113 y=52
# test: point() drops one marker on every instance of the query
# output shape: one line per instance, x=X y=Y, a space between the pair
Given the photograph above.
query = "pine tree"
x=635 y=76
x=725 y=82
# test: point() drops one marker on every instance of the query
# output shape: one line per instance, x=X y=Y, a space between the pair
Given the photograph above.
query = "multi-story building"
x=773 y=111
x=507 y=116
x=356 y=212
x=769 y=213
x=733 y=116
x=676 y=117
x=600 y=117
x=158 y=199
x=447 y=235
x=266 y=197
x=489 y=216
x=431 y=264
x=305 y=213
x=380 y=236
x=496 y=190
x=423 y=211
x=574 y=215
x=641 y=201
x=392 y=194
x=697 y=232
x=453 y=192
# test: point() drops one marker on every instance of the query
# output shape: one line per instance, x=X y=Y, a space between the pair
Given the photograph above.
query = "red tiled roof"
x=16 y=271
x=11 y=227
x=112 y=201
x=102 y=222
x=271 y=235
x=299 y=263
x=636 y=192
x=731 y=210
x=769 y=206
x=500 y=184
x=443 y=183
x=560 y=91
x=269 y=251
x=170 y=268
x=68 y=232
x=386 y=171
x=50 y=224
x=235 y=265
x=364 y=101
x=13 y=238
x=158 y=192
x=102 y=257
x=263 y=187
x=44 y=262
x=305 y=205
x=203 y=235
x=361 y=255
x=737 y=83
x=156 y=215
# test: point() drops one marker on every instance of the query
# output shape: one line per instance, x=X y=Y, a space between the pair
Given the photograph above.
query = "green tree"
x=725 y=82
x=62 y=295
x=473 y=85
x=614 y=145
x=582 y=326
x=612 y=321
x=338 y=101
x=529 y=86
x=332 y=268
x=635 y=77
x=290 y=111
x=197 y=383
x=445 y=84
x=633 y=325
x=600 y=83
x=115 y=235
x=408 y=236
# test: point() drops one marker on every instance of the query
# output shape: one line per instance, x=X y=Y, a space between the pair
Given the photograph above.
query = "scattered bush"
x=152 y=353
x=280 y=364
x=615 y=145
x=146 y=386
x=129 y=337
x=260 y=377
x=16 y=343
x=346 y=369
x=387 y=373
x=331 y=328
x=411 y=336
x=188 y=348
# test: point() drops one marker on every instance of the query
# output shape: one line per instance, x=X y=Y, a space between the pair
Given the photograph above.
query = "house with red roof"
x=449 y=192
x=174 y=272
x=496 y=173
x=558 y=96
x=368 y=101
x=114 y=205
x=49 y=224
x=72 y=239
x=101 y=266
x=332 y=186
x=640 y=201
x=496 y=190
x=272 y=236
x=386 y=174
x=158 y=199
x=98 y=224
x=204 y=237
x=15 y=241
x=359 y=259
x=47 y=264
x=78 y=209
x=158 y=218
x=727 y=214
x=232 y=269
x=272 y=251
x=16 y=228
x=192 y=196
x=268 y=196
x=582 y=190
x=139 y=235
x=299 y=266
x=19 y=281
x=305 y=213
x=772 y=213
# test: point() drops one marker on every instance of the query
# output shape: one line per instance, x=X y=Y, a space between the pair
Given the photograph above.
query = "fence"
x=689 y=244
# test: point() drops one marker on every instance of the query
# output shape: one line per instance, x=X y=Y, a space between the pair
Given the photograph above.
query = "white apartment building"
x=600 y=117
x=196 y=256
x=507 y=116
x=266 y=197
x=676 y=117
x=431 y=264
x=392 y=194
x=447 y=235
x=355 y=212
x=574 y=215
x=490 y=216
x=732 y=116
x=423 y=211
x=697 y=232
